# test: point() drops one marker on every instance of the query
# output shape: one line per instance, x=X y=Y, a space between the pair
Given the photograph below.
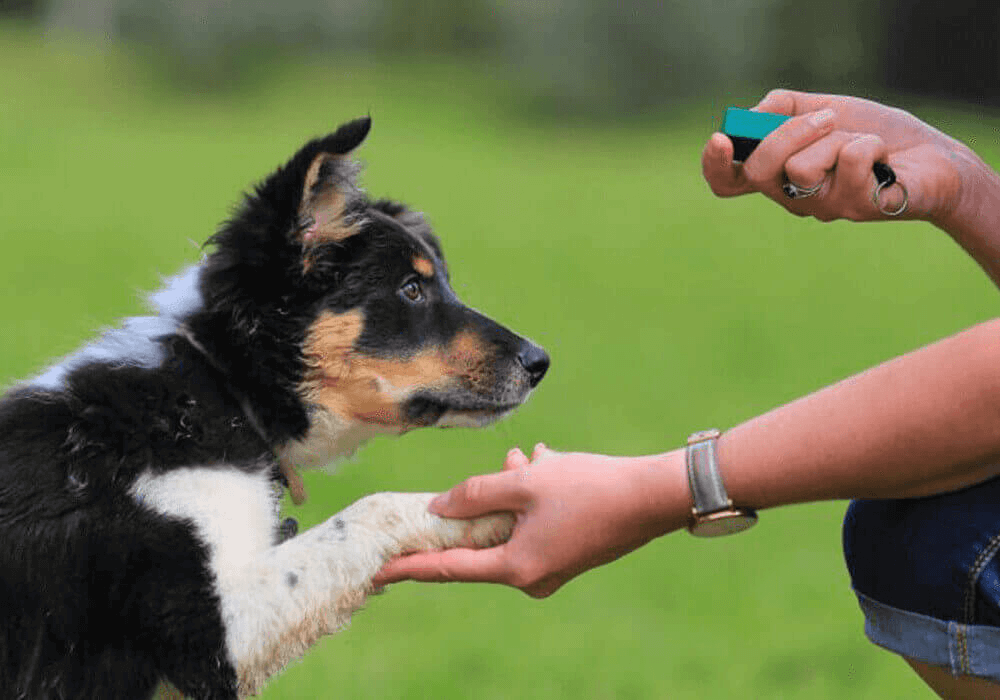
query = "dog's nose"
x=535 y=361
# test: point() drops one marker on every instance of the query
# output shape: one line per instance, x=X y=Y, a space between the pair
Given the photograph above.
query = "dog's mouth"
x=425 y=410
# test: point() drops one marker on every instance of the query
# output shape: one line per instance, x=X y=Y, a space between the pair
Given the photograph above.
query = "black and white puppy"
x=140 y=477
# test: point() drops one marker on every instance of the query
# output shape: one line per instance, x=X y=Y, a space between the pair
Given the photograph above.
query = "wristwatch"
x=713 y=513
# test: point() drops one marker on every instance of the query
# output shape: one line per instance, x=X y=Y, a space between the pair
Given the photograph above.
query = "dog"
x=140 y=476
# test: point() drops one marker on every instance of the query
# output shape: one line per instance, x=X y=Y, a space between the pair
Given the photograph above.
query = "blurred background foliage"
x=579 y=57
x=555 y=148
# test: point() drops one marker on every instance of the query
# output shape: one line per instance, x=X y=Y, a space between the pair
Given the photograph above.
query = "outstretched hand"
x=573 y=512
x=834 y=141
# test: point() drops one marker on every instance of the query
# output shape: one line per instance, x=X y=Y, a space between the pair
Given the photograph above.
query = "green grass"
x=665 y=311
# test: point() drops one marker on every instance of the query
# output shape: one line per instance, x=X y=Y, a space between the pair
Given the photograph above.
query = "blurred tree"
x=94 y=17
x=831 y=47
x=944 y=49
x=437 y=26
x=584 y=57
x=21 y=8
x=607 y=56
x=219 y=41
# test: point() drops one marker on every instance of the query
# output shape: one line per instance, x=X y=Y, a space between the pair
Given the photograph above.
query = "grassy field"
x=664 y=309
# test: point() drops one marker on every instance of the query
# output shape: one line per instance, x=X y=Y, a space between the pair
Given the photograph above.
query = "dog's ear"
x=310 y=200
x=329 y=187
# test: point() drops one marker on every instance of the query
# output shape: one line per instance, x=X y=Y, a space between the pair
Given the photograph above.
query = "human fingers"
x=764 y=170
x=724 y=177
x=792 y=102
x=812 y=165
x=854 y=182
x=480 y=495
x=468 y=565
x=515 y=460
x=541 y=451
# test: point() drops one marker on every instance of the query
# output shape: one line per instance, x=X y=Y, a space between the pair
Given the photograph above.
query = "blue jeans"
x=927 y=575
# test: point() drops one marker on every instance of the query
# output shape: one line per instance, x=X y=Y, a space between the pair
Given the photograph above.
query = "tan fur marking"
x=470 y=360
x=423 y=266
x=371 y=389
x=339 y=379
x=312 y=175
x=331 y=339
x=324 y=210
x=296 y=486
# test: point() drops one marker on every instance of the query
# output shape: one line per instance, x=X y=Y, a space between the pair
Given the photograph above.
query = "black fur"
x=99 y=596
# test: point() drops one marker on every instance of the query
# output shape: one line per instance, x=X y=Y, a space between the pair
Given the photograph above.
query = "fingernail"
x=822 y=119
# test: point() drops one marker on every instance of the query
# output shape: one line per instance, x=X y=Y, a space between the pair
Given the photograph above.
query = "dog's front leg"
x=309 y=586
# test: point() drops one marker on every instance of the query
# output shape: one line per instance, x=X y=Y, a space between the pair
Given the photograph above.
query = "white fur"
x=278 y=600
x=135 y=343
x=467 y=419
x=234 y=513
x=330 y=438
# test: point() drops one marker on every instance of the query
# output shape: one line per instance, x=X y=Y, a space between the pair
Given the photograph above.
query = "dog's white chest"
x=234 y=513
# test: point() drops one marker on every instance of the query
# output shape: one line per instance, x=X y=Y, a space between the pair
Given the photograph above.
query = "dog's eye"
x=412 y=291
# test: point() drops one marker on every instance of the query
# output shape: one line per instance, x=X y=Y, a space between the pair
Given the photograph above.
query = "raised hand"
x=832 y=142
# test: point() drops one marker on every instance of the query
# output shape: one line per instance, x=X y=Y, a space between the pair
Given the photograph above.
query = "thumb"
x=480 y=495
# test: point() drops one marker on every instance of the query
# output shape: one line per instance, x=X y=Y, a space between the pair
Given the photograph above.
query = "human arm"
x=836 y=140
x=922 y=423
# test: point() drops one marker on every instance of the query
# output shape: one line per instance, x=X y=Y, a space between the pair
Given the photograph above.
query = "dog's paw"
x=478 y=533
x=403 y=523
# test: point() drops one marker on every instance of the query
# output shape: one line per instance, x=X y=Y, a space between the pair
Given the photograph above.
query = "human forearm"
x=974 y=222
x=923 y=423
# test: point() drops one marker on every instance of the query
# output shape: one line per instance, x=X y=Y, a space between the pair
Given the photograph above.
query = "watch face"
x=723 y=522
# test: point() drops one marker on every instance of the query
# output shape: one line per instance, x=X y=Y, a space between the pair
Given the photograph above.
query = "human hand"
x=835 y=141
x=573 y=512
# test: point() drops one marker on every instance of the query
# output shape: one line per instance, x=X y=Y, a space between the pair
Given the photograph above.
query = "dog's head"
x=339 y=316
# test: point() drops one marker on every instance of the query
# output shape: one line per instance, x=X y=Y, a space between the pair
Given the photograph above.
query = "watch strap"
x=707 y=490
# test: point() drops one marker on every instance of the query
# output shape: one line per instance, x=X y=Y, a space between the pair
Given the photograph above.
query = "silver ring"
x=879 y=186
x=793 y=191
